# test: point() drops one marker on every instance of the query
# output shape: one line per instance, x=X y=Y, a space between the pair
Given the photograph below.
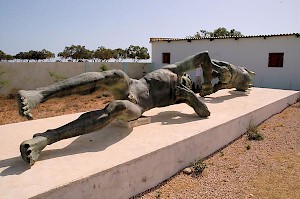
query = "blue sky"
x=54 y=24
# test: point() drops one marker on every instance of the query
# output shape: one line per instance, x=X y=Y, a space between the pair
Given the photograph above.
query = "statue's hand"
x=206 y=89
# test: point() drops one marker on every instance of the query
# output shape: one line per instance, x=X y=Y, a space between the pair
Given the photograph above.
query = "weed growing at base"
x=253 y=134
x=198 y=166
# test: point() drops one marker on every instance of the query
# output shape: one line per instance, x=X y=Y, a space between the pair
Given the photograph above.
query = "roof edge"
x=221 y=37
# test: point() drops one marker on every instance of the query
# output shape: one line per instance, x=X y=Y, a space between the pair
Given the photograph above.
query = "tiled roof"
x=221 y=37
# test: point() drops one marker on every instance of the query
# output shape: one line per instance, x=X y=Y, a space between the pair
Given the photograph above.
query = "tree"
x=81 y=53
x=103 y=54
x=132 y=52
x=143 y=54
x=75 y=52
x=119 y=54
x=9 y=57
x=233 y=32
x=202 y=33
x=2 y=55
x=137 y=53
x=64 y=55
x=23 y=56
x=34 y=55
x=219 y=32
x=45 y=54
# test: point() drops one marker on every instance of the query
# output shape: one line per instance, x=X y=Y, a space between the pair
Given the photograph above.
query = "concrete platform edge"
x=111 y=183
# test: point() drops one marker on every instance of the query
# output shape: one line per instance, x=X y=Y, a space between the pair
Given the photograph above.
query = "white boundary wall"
x=32 y=75
x=252 y=52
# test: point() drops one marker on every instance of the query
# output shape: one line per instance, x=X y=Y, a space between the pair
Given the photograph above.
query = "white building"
x=274 y=58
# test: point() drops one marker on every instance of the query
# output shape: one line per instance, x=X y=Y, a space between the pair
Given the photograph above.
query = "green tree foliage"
x=202 y=33
x=103 y=54
x=9 y=57
x=219 y=32
x=35 y=55
x=4 y=56
x=119 y=54
x=77 y=52
x=137 y=53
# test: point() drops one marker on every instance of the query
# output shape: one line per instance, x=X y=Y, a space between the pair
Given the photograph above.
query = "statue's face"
x=186 y=80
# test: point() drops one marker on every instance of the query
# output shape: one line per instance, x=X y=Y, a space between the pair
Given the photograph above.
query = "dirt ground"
x=54 y=107
x=269 y=168
x=244 y=169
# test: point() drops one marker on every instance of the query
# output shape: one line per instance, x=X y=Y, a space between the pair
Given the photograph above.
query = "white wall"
x=32 y=75
x=252 y=53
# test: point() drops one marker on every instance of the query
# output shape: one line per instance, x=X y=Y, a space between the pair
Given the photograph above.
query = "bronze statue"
x=163 y=87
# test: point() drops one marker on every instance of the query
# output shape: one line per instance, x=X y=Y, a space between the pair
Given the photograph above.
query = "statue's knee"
x=119 y=74
x=115 y=107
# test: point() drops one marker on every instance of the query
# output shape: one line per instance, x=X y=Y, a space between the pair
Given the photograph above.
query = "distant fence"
x=32 y=75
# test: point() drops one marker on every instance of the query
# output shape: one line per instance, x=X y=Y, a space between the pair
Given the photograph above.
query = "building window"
x=166 y=58
x=276 y=59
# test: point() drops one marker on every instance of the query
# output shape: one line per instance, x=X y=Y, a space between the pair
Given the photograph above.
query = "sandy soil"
x=244 y=169
x=54 y=107
x=247 y=169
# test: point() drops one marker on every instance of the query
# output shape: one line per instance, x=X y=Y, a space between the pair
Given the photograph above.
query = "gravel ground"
x=244 y=169
x=269 y=168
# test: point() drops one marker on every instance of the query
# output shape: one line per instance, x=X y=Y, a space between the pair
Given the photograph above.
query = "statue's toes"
x=28 y=153
x=31 y=149
x=24 y=106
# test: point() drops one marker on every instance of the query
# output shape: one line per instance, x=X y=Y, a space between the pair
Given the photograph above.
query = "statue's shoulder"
x=170 y=67
x=159 y=75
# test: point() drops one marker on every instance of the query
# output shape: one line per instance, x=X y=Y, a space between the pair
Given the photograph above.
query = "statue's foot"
x=27 y=100
x=31 y=149
x=206 y=89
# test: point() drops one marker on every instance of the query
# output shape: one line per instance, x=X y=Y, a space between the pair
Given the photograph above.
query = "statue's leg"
x=86 y=123
x=114 y=80
x=222 y=67
x=189 y=97
x=201 y=59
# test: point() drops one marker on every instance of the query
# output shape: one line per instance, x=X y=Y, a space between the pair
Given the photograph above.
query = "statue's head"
x=187 y=80
x=244 y=79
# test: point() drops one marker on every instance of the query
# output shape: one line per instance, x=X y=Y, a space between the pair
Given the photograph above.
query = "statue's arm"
x=191 y=63
x=189 y=97
x=201 y=59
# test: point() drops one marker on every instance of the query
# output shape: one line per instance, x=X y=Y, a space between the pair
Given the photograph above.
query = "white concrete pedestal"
x=118 y=162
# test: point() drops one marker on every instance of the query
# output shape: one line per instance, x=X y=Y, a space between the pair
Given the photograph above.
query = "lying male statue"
x=162 y=87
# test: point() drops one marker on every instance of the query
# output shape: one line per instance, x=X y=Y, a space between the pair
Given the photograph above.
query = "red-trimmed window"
x=276 y=59
x=166 y=58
